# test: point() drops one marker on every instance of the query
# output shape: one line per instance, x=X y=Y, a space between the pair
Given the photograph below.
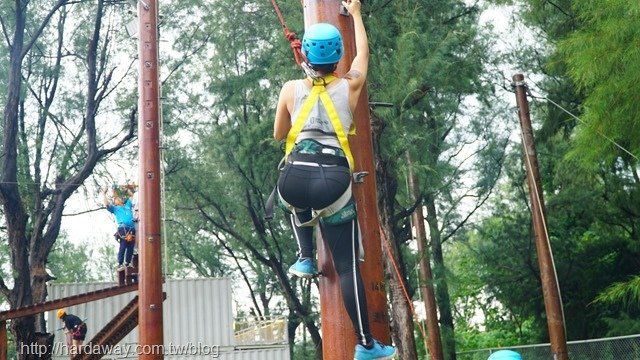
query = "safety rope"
x=293 y=39
x=387 y=245
x=612 y=141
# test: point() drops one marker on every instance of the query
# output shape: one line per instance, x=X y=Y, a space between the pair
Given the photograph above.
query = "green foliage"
x=222 y=163
x=303 y=351
x=70 y=263
x=493 y=286
x=221 y=73
x=5 y=252
x=12 y=350
x=603 y=60
x=622 y=325
x=427 y=59
x=625 y=293
x=586 y=53
x=591 y=251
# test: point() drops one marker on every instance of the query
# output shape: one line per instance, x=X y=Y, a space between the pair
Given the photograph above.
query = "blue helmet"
x=322 y=44
x=505 y=355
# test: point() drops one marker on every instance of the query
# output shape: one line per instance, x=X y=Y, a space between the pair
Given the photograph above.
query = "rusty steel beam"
x=338 y=335
x=66 y=302
x=115 y=330
x=112 y=333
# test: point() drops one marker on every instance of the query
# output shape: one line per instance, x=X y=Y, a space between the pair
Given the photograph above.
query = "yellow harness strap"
x=319 y=91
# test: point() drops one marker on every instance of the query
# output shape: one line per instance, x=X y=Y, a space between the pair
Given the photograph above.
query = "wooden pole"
x=4 y=340
x=434 y=344
x=149 y=237
x=338 y=335
x=550 y=288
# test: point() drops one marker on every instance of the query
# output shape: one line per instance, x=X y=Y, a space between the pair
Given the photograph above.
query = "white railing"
x=260 y=331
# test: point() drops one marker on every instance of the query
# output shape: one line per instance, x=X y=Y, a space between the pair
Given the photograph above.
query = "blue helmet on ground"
x=505 y=355
x=322 y=44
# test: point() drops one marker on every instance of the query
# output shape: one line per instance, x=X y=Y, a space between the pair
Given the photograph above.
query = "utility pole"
x=434 y=344
x=550 y=288
x=338 y=335
x=150 y=295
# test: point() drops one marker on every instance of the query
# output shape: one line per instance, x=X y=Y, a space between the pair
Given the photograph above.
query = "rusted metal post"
x=4 y=340
x=434 y=344
x=550 y=288
x=338 y=335
x=149 y=239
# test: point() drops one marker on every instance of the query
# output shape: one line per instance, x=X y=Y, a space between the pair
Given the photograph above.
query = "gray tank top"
x=318 y=126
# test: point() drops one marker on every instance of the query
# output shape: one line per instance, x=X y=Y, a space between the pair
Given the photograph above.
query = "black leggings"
x=343 y=241
x=314 y=187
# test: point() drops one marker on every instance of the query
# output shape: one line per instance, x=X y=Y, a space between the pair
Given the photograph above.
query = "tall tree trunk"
x=402 y=315
x=439 y=274
x=433 y=341
x=31 y=240
x=402 y=326
x=23 y=329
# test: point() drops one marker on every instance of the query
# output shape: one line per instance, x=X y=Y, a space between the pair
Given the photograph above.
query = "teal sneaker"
x=304 y=268
x=379 y=351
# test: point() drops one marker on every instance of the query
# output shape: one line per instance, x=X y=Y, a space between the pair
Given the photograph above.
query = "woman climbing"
x=315 y=115
x=123 y=212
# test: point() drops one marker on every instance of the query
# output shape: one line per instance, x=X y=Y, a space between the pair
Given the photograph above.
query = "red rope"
x=386 y=243
x=295 y=43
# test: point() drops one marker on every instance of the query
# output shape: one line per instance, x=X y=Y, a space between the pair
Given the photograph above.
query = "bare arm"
x=282 y=123
x=357 y=75
x=106 y=198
